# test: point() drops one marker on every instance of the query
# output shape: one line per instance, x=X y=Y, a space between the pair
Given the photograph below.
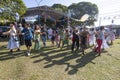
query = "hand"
x=4 y=33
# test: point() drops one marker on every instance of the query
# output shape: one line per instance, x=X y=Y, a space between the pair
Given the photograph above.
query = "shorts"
x=53 y=38
x=28 y=42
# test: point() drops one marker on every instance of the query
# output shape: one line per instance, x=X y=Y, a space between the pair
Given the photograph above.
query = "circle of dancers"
x=71 y=38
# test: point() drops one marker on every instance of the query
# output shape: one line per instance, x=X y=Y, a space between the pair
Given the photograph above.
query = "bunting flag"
x=110 y=17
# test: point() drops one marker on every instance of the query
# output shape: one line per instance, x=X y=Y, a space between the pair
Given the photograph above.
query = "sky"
x=107 y=8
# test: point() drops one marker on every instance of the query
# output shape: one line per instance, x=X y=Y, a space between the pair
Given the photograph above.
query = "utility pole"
x=38 y=5
x=100 y=21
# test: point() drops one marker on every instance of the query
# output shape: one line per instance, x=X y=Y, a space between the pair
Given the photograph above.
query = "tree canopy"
x=77 y=10
x=10 y=8
x=60 y=7
x=82 y=8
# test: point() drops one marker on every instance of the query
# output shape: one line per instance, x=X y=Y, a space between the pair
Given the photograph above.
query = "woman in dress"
x=13 y=41
x=111 y=36
x=37 y=37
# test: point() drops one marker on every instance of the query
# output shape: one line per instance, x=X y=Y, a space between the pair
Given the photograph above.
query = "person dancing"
x=99 y=39
x=13 y=41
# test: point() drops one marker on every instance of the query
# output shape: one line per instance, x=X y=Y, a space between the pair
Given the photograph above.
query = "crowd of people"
x=74 y=39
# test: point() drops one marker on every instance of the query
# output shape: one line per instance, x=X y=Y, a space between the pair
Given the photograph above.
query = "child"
x=37 y=37
x=65 y=39
x=53 y=37
x=43 y=36
x=57 y=38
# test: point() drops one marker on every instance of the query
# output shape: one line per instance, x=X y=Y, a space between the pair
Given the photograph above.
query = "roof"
x=44 y=9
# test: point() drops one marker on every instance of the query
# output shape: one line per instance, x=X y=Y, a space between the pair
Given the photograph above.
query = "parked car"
x=3 y=29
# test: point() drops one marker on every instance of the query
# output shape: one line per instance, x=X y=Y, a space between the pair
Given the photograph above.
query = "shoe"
x=83 y=53
x=11 y=51
x=99 y=54
x=18 y=49
x=28 y=53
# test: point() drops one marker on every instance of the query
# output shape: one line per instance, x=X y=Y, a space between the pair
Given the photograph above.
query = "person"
x=50 y=33
x=92 y=39
x=111 y=36
x=75 y=41
x=99 y=39
x=65 y=39
x=28 y=36
x=60 y=32
x=53 y=38
x=37 y=37
x=43 y=36
x=84 y=39
x=57 y=38
x=13 y=41
x=21 y=38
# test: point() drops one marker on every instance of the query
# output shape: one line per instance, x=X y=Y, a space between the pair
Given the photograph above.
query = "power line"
x=110 y=13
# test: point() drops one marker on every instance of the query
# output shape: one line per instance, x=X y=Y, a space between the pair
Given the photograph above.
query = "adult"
x=21 y=38
x=13 y=41
x=75 y=41
x=99 y=39
x=111 y=36
x=84 y=39
x=28 y=36
x=37 y=37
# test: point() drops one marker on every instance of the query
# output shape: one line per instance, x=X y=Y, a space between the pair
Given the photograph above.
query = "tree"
x=10 y=8
x=60 y=7
x=82 y=8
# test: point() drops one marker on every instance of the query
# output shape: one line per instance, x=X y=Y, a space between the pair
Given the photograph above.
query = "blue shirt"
x=27 y=33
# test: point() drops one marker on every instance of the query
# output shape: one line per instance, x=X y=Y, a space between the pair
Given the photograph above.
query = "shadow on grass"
x=3 y=47
x=84 y=60
x=62 y=58
x=113 y=56
x=49 y=58
x=8 y=55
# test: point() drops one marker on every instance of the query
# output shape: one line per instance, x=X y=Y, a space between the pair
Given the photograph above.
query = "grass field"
x=51 y=63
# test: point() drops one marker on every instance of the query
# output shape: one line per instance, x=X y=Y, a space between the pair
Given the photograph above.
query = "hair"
x=36 y=27
x=102 y=27
x=13 y=23
x=66 y=30
x=26 y=24
x=92 y=29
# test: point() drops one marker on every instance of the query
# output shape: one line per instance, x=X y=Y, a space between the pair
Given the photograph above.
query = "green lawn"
x=51 y=63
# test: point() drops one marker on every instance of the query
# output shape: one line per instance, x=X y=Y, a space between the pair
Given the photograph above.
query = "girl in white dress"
x=13 y=41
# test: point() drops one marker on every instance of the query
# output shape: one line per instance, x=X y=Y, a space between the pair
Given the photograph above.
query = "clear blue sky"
x=106 y=7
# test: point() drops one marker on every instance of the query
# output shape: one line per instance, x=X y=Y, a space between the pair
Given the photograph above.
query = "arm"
x=8 y=32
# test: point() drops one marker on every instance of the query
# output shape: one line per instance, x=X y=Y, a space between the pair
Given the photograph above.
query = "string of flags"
x=110 y=17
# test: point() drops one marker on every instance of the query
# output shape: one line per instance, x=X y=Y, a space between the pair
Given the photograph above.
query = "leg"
x=77 y=44
x=73 y=44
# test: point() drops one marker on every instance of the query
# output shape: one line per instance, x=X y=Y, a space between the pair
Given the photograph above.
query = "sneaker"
x=28 y=53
